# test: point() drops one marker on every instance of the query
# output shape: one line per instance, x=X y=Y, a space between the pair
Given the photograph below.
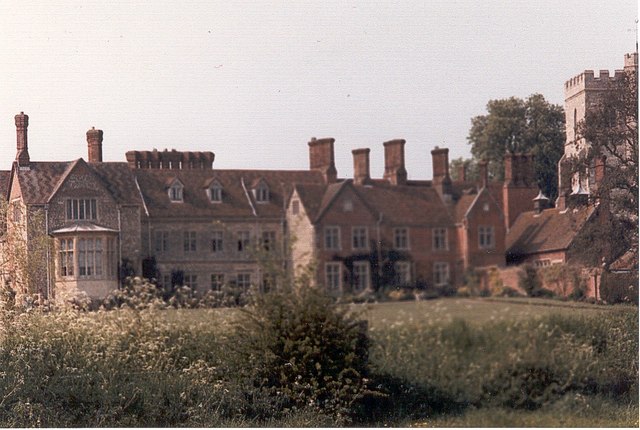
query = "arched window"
x=261 y=192
x=176 y=192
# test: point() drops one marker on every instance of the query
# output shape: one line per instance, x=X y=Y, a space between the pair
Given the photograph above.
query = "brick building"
x=171 y=215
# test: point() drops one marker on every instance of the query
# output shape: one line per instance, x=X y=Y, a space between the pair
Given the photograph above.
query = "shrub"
x=619 y=287
x=299 y=350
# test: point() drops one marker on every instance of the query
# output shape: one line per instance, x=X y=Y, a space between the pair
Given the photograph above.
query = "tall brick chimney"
x=394 y=168
x=441 y=178
x=94 y=144
x=483 y=173
x=321 y=158
x=519 y=188
x=361 y=174
x=22 y=148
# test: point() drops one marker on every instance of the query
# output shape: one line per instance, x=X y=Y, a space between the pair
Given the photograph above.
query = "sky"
x=253 y=81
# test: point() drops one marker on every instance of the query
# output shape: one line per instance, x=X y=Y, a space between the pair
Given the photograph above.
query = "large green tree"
x=515 y=125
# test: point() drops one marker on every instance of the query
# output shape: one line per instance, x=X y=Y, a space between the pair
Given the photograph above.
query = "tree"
x=610 y=128
x=515 y=125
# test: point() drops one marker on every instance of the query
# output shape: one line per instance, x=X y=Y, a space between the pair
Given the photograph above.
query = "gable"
x=80 y=181
x=347 y=204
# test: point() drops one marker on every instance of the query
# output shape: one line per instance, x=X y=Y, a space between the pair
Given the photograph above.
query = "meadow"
x=447 y=362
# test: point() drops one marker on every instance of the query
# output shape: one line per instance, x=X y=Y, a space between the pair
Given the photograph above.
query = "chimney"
x=321 y=158
x=519 y=187
x=361 y=166
x=600 y=170
x=94 y=143
x=441 y=179
x=22 y=153
x=509 y=164
x=394 y=168
x=483 y=173
x=462 y=172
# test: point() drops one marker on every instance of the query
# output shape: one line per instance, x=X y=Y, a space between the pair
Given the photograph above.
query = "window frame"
x=356 y=238
x=332 y=238
x=356 y=283
x=401 y=234
x=176 y=192
x=486 y=237
x=217 y=241
x=441 y=268
x=81 y=209
x=215 y=192
x=403 y=268
x=331 y=266
x=438 y=235
x=189 y=241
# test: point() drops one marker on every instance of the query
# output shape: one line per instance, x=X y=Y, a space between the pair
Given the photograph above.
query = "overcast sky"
x=253 y=81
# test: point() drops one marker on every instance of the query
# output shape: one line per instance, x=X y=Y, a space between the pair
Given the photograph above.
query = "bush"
x=619 y=287
x=299 y=350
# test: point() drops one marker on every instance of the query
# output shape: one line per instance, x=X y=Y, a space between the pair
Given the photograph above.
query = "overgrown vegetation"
x=297 y=359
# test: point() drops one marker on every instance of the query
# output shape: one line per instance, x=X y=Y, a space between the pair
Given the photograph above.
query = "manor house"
x=172 y=216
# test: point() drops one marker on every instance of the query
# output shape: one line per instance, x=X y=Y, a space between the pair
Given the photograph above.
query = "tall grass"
x=153 y=368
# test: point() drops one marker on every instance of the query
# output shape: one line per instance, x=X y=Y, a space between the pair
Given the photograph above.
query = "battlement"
x=170 y=159
x=631 y=60
x=588 y=81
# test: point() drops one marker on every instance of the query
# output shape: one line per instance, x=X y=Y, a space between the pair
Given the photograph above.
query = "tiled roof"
x=627 y=262
x=237 y=197
x=44 y=178
x=550 y=230
x=398 y=204
x=38 y=183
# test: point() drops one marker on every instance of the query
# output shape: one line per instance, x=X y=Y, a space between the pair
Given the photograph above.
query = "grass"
x=454 y=362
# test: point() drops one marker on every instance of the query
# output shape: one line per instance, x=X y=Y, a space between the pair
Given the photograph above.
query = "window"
x=166 y=281
x=359 y=237
x=333 y=276
x=268 y=240
x=161 y=241
x=191 y=281
x=217 y=281
x=112 y=266
x=189 y=242
x=403 y=272
x=360 y=276
x=440 y=273
x=261 y=193
x=440 y=239
x=401 y=238
x=89 y=257
x=542 y=263
x=215 y=192
x=486 y=238
x=244 y=241
x=81 y=209
x=65 y=257
x=217 y=241
x=243 y=280
x=17 y=212
x=295 y=207
x=332 y=237
x=175 y=192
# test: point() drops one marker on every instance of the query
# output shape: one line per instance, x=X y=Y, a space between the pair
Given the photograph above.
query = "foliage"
x=619 y=287
x=470 y=168
x=565 y=280
x=610 y=127
x=302 y=351
x=515 y=125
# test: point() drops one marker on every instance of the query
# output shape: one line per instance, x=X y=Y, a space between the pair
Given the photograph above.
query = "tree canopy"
x=515 y=125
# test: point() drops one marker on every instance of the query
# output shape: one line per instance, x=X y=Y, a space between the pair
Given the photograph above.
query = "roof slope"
x=5 y=177
x=551 y=230
x=237 y=198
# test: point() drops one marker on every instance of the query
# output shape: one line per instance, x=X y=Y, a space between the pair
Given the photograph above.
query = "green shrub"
x=299 y=350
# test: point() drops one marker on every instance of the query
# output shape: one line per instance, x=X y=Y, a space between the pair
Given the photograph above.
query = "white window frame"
x=243 y=243
x=217 y=281
x=400 y=235
x=243 y=280
x=359 y=238
x=333 y=276
x=190 y=241
x=261 y=193
x=403 y=272
x=217 y=241
x=440 y=273
x=215 y=192
x=176 y=192
x=161 y=240
x=83 y=209
x=440 y=238
x=332 y=240
x=361 y=276
x=268 y=241
x=486 y=237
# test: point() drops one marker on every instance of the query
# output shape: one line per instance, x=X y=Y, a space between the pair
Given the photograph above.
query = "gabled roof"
x=627 y=262
x=236 y=202
x=398 y=205
x=40 y=182
x=551 y=230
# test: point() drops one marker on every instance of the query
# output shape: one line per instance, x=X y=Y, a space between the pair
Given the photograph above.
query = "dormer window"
x=215 y=192
x=176 y=191
x=261 y=192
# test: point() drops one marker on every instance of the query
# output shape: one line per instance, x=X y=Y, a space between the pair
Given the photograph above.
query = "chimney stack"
x=394 y=168
x=483 y=173
x=22 y=148
x=361 y=174
x=321 y=158
x=441 y=178
x=462 y=172
x=94 y=143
